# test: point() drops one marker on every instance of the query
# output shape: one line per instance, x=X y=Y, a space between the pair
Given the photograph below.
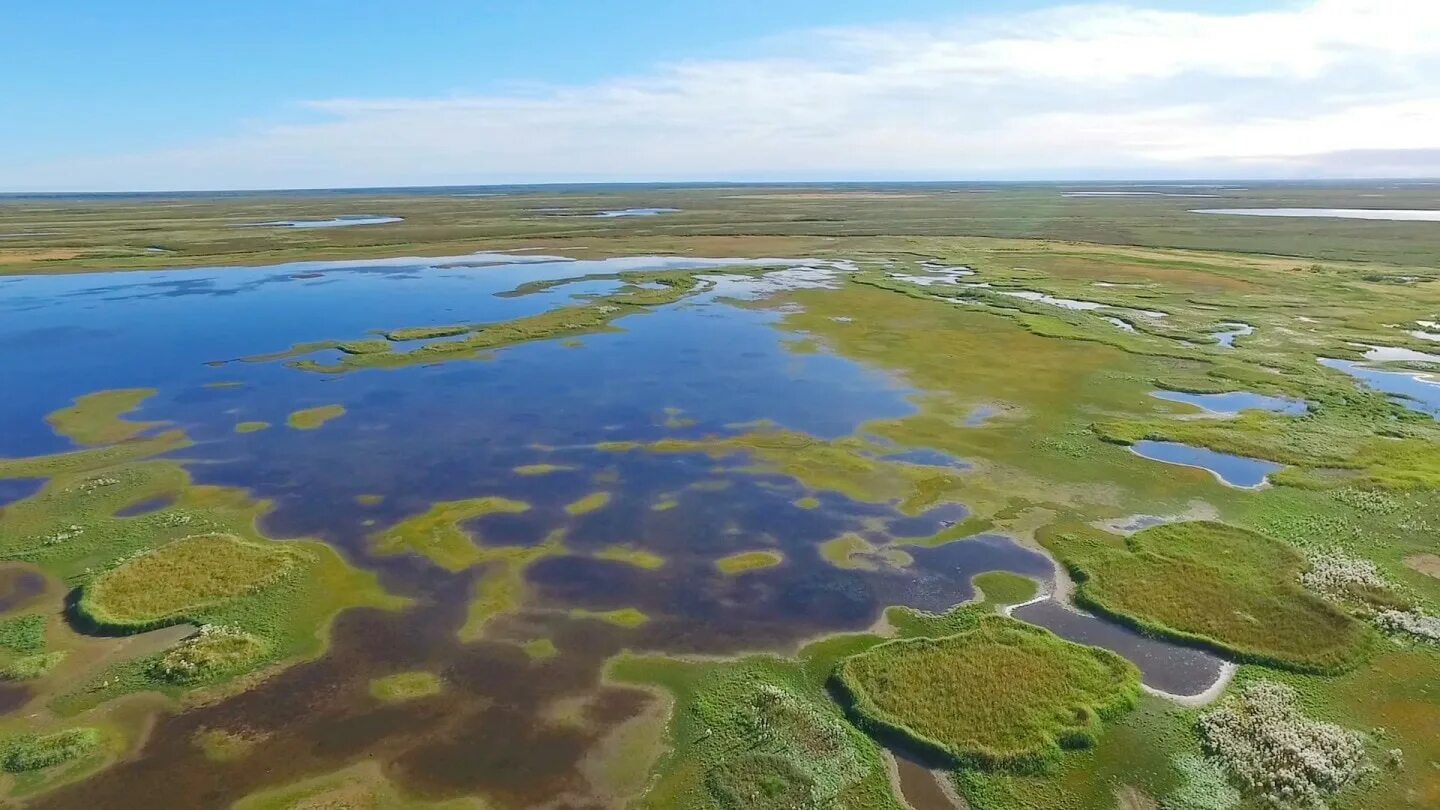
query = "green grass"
x=251 y=427
x=757 y=733
x=31 y=752
x=23 y=634
x=426 y=332
x=1215 y=585
x=1005 y=588
x=744 y=561
x=313 y=418
x=540 y=469
x=593 y=502
x=855 y=553
x=540 y=649
x=212 y=653
x=403 y=686
x=31 y=667
x=1005 y=695
x=172 y=582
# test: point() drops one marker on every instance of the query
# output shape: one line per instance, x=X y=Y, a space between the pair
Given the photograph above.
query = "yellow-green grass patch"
x=313 y=418
x=1005 y=695
x=404 y=686
x=1214 y=585
x=436 y=533
x=590 y=503
x=223 y=745
x=1005 y=588
x=358 y=787
x=502 y=588
x=540 y=649
x=96 y=419
x=251 y=427
x=855 y=553
x=638 y=557
x=165 y=585
x=540 y=469
x=629 y=618
x=369 y=500
x=748 y=561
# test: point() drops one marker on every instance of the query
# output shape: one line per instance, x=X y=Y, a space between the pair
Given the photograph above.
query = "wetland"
x=564 y=499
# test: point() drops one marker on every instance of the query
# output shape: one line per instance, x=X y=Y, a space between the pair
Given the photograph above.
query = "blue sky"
x=266 y=94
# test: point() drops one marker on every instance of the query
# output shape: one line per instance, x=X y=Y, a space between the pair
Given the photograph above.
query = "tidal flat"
x=488 y=509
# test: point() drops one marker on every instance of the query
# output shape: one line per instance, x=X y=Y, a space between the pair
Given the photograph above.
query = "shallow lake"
x=1397 y=215
x=1418 y=391
x=1234 y=402
x=337 y=222
x=1234 y=471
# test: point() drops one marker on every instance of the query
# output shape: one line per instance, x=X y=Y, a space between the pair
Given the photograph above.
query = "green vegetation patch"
x=313 y=418
x=540 y=469
x=758 y=733
x=32 y=752
x=358 y=787
x=1005 y=588
x=213 y=652
x=629 y=618
x=251 y=427
x=165 y=585
x=1005 y=695
x=436 y=533
x=1215 y=585
x=404 y=686
x=748 y=561
x=540 y=649
x=31 y=667
x=855 y=553
x=638 y=557
x=23 y=634
x=426 y=332
x=95 y=419
x=502 y=588
x=590 y=503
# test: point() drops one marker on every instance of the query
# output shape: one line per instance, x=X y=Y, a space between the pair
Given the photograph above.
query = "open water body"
x=456 y=430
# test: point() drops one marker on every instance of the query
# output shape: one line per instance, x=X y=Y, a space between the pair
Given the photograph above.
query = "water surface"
x=1395 y=214
x=337 y=222
x=1234 y=471
x=1234 y=402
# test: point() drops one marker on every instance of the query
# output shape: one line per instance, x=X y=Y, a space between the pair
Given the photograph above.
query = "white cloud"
x=1073 y=91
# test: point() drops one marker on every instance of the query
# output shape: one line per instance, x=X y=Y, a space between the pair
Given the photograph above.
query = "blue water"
x=1236 y=330
x=1234 y=471
x=1411 y=389
x=337 y=222
x=1234 y=402
x=635 y=212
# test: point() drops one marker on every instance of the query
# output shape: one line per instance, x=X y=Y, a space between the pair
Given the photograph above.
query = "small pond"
x=1233 y=471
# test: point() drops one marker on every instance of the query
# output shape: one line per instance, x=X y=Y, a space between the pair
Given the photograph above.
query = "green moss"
x=629 y=618
x=437 y=535
x=637 y=557
x=251 y=427
x=96 y=419
x=1005 y=588
x=807 y=502
x=1215 y=585
x=403 y=686
x=593 y=502
x=748 y=561
x=1005 y=695
x=313 y=418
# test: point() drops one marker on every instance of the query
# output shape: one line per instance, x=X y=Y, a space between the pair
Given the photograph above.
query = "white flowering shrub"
x=1336 y=576
x=1281 y=757
x=213 y=651
x=1413 y=622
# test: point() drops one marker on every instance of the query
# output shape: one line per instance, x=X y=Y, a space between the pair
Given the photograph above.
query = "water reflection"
x=1234 y=471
